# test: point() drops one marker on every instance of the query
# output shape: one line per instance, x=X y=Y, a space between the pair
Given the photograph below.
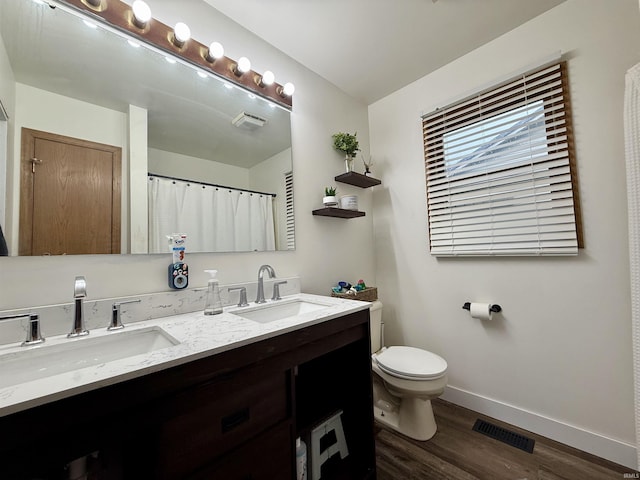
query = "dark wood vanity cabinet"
x=232 y=415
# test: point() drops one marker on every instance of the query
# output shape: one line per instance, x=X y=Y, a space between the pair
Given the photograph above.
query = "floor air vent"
x=504 y=435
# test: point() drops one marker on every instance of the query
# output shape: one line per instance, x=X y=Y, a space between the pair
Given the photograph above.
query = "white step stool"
x=333 y=423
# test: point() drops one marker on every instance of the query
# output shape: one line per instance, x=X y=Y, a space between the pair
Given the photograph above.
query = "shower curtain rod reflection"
x=150 y=175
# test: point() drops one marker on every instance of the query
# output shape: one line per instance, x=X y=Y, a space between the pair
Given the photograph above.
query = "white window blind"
x=499 y=170
x=291 y=232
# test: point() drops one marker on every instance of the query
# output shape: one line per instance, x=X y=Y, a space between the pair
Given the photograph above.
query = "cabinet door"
x=208 y=421
x=267 y=457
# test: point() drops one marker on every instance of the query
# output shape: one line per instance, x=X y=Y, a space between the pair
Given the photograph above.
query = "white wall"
x=328 y=249
x=135 y=182
x=558 y=360
x=8 y=97
x=178 y=165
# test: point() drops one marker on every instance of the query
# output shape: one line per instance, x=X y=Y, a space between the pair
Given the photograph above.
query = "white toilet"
x=404 y=382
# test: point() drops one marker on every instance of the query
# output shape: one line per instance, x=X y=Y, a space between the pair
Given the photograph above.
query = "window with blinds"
x=499 y=170
x=291 y=232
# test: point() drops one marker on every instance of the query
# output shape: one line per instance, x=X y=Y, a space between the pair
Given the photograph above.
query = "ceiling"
x=371 y=48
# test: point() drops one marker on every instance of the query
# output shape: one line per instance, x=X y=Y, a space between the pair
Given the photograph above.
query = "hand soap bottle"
x=213 y=304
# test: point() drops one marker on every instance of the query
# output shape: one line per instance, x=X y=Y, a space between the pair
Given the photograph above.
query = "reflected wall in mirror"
x=202 y=132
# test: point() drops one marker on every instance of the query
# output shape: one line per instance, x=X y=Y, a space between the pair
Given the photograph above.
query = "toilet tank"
x=375 y=325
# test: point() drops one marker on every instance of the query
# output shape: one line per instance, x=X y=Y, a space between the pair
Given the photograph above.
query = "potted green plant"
x=348 y=144
x=329 y=199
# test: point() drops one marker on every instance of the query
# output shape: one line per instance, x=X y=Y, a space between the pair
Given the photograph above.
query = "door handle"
x=34 y=161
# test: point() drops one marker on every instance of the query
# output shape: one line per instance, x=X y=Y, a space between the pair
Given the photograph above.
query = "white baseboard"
x=607 y=448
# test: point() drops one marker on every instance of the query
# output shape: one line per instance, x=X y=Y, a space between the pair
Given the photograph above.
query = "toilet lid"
x=410 y=362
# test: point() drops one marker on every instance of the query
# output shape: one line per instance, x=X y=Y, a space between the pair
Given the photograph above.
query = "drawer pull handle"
x=235 y=419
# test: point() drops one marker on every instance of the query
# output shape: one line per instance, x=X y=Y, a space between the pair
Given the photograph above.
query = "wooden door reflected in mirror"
x=69 y=195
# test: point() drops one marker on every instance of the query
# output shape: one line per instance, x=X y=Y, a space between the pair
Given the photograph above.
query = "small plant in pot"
x=329 y=199
x=347 y=143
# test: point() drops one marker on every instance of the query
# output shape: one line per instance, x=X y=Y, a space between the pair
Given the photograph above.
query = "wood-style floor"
x=457 y=452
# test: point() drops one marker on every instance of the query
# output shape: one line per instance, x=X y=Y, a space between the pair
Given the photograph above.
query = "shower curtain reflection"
x=215 y=219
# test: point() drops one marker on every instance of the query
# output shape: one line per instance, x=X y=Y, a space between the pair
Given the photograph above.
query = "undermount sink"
x=270 y=312
x=34 y=363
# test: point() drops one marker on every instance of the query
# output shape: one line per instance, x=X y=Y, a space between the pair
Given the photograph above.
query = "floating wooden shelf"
x=338 y=212
x=357 y=179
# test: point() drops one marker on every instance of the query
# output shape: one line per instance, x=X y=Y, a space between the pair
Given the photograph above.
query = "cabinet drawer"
x=267 y=457
x=208 y=421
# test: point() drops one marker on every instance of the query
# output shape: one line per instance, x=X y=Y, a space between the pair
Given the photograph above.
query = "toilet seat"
x=410 y=363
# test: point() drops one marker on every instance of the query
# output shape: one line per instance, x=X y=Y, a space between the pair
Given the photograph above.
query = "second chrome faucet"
x=272 y=274
x=276 y=286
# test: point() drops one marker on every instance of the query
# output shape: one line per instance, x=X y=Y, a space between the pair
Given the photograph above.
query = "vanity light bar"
x=155 y=35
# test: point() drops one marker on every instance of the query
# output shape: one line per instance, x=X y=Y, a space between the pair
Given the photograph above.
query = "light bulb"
x=244 y=65
x=182 y=33
x=216 y=50
x=288 y=89
x=141 y=13
x=267 y=78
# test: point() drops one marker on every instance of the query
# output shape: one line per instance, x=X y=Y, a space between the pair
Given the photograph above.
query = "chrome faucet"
x=272 y=274
x=79 y=293
x=34 y=337
x=276 y=290
x=116 y=314
x=242 y=302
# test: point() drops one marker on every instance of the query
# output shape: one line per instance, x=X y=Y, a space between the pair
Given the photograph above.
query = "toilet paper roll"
x=481 y=311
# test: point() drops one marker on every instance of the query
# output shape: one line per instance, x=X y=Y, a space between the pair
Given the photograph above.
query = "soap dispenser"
x=213 y=305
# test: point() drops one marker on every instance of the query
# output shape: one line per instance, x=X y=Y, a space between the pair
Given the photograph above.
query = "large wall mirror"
x=184 y=139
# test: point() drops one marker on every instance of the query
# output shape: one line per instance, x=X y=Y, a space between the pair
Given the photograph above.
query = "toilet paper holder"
x=494 y=307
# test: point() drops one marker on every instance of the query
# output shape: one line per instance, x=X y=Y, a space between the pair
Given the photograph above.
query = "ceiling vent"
x=248 y=121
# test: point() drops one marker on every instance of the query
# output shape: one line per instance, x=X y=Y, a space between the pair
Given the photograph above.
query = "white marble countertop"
x=198 y=335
